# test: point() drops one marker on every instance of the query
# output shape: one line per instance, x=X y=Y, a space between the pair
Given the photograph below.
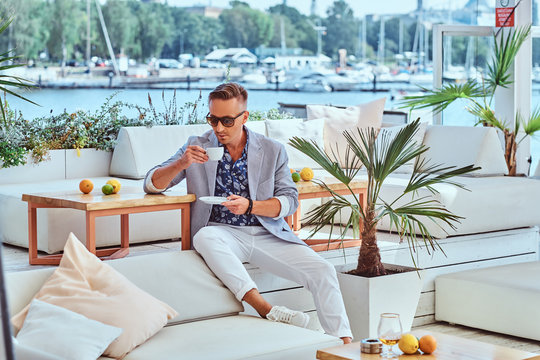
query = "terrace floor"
x=16 y=259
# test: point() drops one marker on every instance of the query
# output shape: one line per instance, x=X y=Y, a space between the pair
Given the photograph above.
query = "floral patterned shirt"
x=232 y=178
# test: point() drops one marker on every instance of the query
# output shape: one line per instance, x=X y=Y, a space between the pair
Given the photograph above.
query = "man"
x=254 y=176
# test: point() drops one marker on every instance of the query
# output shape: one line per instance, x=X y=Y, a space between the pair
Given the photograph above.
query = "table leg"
x=185 y=223
x=32 y=233
x=124 y=231
x=296 y=218
x=289 y=221
x=91 y=232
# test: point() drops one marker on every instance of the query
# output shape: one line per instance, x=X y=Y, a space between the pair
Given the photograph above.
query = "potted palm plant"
x=480 y=94
x=381 y=156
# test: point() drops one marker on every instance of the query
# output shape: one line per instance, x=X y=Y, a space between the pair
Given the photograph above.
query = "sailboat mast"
x=88 y=51
x=107 y=40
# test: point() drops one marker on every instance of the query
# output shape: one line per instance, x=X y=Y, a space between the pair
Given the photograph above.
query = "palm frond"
x=439 y=99
x=7 y=80
x=485 y=115
x=533 y=125
x=505 y=51
x=425 y=176
x=329 y=162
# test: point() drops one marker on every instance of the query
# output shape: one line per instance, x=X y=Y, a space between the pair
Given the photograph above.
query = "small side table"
x=311 y=190
x=129 y=200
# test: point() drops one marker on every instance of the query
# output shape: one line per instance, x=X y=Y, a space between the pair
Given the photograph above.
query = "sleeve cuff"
x=149 y=185
x=284 y=206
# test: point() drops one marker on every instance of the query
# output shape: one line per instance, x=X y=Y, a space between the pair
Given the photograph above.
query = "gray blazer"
x=268 y=176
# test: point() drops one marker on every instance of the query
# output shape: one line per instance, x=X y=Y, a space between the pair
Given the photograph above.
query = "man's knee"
x=202 y=239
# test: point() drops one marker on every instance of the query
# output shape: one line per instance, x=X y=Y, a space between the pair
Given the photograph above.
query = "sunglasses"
x=226 y=121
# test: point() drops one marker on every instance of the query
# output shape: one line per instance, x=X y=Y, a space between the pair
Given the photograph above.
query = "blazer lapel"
x=211 y=166
x=255 y=160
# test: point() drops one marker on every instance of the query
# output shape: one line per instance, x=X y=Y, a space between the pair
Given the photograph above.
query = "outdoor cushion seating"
x=486 y=207
x=502 y=299
x=208 y=325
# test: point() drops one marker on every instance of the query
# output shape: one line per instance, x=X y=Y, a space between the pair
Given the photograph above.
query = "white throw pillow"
x=466 y=145
x=65 y=334
x=284 y=130
x=338 y=120
x=418 y=137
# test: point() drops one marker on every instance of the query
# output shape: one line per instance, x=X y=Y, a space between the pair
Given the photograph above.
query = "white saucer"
x=213 y=199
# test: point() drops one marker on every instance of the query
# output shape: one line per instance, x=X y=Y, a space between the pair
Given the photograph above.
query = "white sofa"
x=493 y=202
x=503 y=299
x=208 y=325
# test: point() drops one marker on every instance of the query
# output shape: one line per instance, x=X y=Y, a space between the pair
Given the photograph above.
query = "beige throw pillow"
x=86 y=285
x=338 y=120
x=284 y=130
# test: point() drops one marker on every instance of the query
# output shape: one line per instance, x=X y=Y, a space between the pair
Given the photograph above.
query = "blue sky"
x=360 y=7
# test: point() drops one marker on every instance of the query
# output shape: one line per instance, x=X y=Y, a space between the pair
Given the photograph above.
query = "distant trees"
x=341 y=29
x=246 y=27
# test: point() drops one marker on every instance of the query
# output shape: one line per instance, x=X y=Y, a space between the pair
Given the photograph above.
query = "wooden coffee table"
x=311 y=190
x=129 y=200
x=448 y=348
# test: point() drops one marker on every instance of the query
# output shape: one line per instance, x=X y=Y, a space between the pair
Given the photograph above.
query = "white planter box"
x=90 y=163
x=367 y=298
x=52 y=169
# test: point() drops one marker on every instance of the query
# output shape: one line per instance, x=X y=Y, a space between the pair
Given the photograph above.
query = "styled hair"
x=228 y=91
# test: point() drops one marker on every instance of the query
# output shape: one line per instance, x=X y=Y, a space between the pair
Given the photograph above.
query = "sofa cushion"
x=338 y=120
x=233 y=337
x=75 y=336
x=392 y=131
x=502 y=298
x=284 y=130
x=257 y=126
x=465 y=145
x=84 y=284
x=140 y=148
x=163 y=275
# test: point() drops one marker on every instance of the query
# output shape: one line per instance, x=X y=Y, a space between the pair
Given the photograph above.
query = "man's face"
x=232 y=108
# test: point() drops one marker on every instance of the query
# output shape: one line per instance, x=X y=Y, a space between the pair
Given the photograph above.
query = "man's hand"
x=237 y=204
x=193 y=154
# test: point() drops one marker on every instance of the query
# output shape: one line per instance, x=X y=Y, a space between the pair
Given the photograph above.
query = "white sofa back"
x=181 y=279
x=140 y=148
x=466 y=145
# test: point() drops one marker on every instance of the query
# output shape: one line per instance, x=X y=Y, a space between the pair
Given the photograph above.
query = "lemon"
x=115 y=184
x=107 y=189
x=295 y=177
x=408 y=343
x=306 y=174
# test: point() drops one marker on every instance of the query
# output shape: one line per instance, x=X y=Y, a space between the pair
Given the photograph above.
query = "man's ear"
x=246 y=117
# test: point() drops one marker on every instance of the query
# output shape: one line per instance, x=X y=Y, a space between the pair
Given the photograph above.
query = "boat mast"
x=88 y=51
x=107 y=40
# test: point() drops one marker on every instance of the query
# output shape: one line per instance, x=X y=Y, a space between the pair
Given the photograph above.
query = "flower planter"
x=63 y=164
x=366 y=298
x=90 y=163
x=52 y=169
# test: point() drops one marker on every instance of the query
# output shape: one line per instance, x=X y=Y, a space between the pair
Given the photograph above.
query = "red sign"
x=504 y=17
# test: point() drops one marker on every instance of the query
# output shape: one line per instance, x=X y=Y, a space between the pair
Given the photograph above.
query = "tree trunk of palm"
x=510 y=148
x=369 y=259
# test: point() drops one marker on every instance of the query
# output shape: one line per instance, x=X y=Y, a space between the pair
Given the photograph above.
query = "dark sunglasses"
x=226 y=121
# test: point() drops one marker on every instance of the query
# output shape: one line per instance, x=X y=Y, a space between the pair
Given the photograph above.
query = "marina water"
x=57 y=100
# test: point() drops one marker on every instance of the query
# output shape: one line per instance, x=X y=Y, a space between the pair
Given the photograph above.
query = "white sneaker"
x=288 y=316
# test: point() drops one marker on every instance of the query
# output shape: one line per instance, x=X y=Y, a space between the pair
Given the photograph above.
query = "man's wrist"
x=250 y=207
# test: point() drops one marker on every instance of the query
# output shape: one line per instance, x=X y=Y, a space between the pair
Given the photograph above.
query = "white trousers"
x=226 y=247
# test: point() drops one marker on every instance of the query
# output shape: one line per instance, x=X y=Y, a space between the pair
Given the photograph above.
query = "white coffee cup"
x=214 y=153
